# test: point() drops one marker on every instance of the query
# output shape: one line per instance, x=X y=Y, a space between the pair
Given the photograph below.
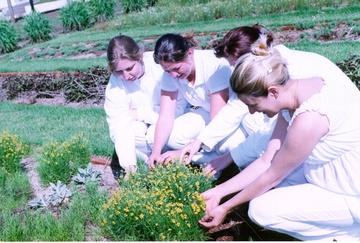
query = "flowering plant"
x=12 y=149
x=162 y=204
x=60 y=161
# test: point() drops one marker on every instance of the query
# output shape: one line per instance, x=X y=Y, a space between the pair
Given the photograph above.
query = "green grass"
x=51 y=65
x=15 y=191
x=69 y=225
x=40 y=124
x=335 y=51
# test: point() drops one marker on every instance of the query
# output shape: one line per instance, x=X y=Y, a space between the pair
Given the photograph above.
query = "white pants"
x=306 y=212
x=187 y=127
x=141 y=145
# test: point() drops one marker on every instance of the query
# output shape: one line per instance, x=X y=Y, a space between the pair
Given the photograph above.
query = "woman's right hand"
x=189 y=151
x=212 y=199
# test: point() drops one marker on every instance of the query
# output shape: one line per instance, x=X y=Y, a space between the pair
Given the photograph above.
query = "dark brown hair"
x=172 y=47
x=121 y=47
x=238 y=41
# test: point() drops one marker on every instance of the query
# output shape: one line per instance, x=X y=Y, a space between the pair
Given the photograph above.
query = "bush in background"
x=37 y=27
x=209 y=10
x=351 y=67
x=162 y=204
x=76 y=16
x=8 y=37
x=180 y=2
x=12 y=149
x=60 y=161
x=102 y=9
x=136 y=5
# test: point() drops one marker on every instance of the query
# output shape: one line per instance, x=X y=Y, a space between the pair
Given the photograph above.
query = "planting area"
x=52 y=124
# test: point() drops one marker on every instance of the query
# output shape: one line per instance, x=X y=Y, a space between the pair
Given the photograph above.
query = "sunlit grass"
x=40 y=124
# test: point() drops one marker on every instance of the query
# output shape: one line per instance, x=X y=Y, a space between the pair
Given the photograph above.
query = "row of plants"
x=217 y=9
x=161 y=204
x=77 y=15
x=89 y=86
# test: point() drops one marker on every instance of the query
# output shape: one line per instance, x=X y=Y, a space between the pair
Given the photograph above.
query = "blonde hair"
x=123 y=47
x=254 y=74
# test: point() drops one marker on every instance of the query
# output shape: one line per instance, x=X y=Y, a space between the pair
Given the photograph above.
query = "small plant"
x=102 y=9
x=37 y=27
x=60 y=161
x=85 y=175
x=8 y=37
x=12 y=149
x=59 y=194
x=162 y=204
x=75 y=16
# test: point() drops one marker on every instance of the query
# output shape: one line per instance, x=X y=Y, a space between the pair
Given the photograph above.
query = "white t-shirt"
x=142 y=95
x=212 y=75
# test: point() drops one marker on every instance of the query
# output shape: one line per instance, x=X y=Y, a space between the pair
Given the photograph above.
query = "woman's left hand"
x=213 y=218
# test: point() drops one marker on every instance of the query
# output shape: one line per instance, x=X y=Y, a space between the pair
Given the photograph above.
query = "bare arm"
x=309 y=127
x=218 y=101
x=164 y=124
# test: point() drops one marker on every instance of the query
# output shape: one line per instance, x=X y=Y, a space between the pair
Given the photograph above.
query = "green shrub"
x=60 y=161
x=351 y=67
x=180 y=2
x=12 y=149
x=37 y=27
x=8 y=37
x=102 y=9
x=133 y=5
x=163 y=204
x=75 y=16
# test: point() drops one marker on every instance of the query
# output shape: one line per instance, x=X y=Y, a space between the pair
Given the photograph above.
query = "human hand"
x=217 y=164
x=189 y=151
x=131 y=169
x=212 y=198
x=153 y=158
x=169 y=157
x=213 y=218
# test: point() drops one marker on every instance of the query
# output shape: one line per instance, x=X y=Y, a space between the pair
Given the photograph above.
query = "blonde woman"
x=318 y=127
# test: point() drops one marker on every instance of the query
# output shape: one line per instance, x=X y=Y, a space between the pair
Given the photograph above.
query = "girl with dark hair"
x=234 y=124
x=201 y=78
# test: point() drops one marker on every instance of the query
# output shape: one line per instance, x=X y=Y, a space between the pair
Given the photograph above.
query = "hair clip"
x=259 y=47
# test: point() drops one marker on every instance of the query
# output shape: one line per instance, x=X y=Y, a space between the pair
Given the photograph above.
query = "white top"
x=121 y=96
x=228 y=119
x=334 y=163
x=300 y=65
x=212 y=75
